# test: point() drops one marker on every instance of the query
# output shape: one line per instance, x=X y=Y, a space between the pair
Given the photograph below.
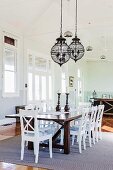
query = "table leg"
x=30 y=146
x=66 y=137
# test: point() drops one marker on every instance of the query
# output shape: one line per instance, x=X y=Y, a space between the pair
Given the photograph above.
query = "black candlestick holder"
x=58 y=107
x=67 y=108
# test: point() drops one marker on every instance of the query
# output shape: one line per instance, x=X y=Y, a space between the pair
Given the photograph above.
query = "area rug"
x=98 y=157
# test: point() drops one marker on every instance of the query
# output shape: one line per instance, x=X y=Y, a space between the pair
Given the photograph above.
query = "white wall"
x=99 y=77
x=7 y=104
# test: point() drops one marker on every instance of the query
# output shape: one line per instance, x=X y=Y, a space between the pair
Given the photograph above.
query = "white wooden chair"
x=43 y=125
x=32 y=133
x=80 y=107
x=78 y=131
x=90 y=127
x=29 y=107
x=49 y=126
x=98 y=122
x=84 y=104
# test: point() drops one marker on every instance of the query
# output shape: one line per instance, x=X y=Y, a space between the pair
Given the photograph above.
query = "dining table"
x=63 y=119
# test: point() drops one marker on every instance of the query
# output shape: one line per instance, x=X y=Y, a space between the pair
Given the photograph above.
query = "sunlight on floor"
x=107 y=128
x=2 y=137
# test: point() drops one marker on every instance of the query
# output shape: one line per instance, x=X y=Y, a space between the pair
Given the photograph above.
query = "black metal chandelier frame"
x=77 y=49
x=61 y=52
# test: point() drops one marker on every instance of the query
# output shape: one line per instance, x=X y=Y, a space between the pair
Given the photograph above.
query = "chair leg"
x=73 y=138
x=93 y=133
x=36 y=152
x=22 y=149
x=26 y=144
x=84 y=141
x=50 y=147
x=34 y=148
x=100 y=133
x=89 y=134
x=77 y=139
x=80 y=150
x=96 y=134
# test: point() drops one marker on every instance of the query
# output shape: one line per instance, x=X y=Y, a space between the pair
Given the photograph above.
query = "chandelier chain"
x=76 y=18
x=61 y=21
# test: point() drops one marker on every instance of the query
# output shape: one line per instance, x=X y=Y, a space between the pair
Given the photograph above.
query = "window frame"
x=15 y=49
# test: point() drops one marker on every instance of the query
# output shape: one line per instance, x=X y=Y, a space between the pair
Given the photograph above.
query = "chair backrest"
x=29 y=107
x=84 y=119
x=28 y=121
x=84 y=104
x=100 y=113
x=93 y=115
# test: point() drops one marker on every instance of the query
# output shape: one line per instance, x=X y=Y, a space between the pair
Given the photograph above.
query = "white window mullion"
x=40 y=89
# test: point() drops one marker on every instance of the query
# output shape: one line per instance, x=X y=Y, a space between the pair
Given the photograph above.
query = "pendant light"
x=60 y=52
x=77 y=49
x=68 y=34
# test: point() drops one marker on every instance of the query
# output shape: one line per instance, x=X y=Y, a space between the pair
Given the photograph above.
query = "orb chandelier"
x=77 y=49
x=60 y=52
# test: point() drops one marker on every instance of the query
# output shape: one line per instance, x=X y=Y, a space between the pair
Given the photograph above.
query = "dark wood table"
x=108 y=103
x=63 y=119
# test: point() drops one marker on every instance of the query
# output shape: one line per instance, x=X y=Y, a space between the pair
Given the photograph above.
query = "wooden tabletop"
x=61 y=116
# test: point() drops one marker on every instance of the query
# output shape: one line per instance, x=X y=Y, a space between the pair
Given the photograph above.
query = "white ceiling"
x=39 y=20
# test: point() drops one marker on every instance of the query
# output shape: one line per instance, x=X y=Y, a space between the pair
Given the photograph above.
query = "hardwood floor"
x=107 y=123
x=8 y=166
x=7 y=132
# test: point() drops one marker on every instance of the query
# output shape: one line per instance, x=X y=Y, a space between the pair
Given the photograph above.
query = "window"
x=78 y=73
x=30 y=94
x=50 y=87
x=79 y=88
x=37 y=88
x=63 y=82
x=9 y=40
x=43 y=83
x=9 y=67
x=79 y=83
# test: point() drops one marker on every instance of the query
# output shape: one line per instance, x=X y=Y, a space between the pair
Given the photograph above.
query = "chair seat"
x=41 y=134
x=49 y=129
x=74 y=128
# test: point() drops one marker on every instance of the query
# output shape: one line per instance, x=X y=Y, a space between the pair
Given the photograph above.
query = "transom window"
x=10 y=66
